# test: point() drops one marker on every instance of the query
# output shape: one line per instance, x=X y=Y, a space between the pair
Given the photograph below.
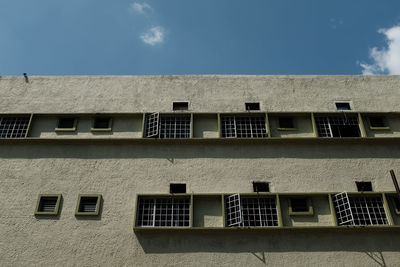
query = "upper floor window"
x=167 y=126
x=343 y=106
x=66 y=123
x=252 y=106
x=377 y=121
x=286 y=123
x=180 y=106
x=102 y=123
x=243 y=126
x=14 y=127
x=338 y=126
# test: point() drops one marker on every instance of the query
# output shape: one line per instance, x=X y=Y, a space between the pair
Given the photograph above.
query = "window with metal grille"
x=48 y=204
x=338 y=126
x=167 y=126
x=250 y=211
x=359 y=210
x=243 y=126
x=88 y=205
x=163 y=212
x=14 y=127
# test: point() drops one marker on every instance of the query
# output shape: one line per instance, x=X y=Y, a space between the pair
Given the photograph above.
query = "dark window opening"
x=66 y=123
x=364 y=186
x=180 y=106
x=338 y=126
x=47 y=204
x=177 y=188
x=101 y=123
x=88 y=204
x=377 y=122
x=346 y=131
x=397 y=202
x=260 y=187
x=299 y=205
x=343 y=106
x=286 y=123
x=252 y=106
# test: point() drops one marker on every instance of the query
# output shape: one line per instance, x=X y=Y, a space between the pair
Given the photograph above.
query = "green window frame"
x=90 y=199
x=41 y=202
x=106 y=129
x=293 y=212
x=69 y=129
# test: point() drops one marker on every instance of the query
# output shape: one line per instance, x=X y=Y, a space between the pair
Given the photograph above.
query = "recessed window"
x=167 y=126
x=180 y=105
x=299 y=204
x=13 y=127
x=177 y=188
x=338 y=126
x=364 y=186
x=260 y=187
x=397 y=204
x=88 y=205
x=66 y=123
x=243 y=126
x=102 y=123
x=378 y=122
x=48 y=204
x=252 y=106
x=286 y=122
x=343 y=106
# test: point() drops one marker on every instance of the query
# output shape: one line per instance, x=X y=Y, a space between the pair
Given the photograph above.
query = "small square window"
x=177 y=188
x=88 y=204
x=260 y=187
x=343 y=106
x=378 y=122
x=300 y=206
x=48 y=204
x=252 y=106
x=180 y=105
x=286 y=122
x=364 y=186
x=66 y=124
x=102 y=123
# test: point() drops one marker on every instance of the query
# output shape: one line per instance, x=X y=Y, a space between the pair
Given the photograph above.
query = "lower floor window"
x=251 y=211
x=163 y=212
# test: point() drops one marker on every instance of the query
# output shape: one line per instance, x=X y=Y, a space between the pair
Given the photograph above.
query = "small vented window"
x=252 y=106
x=102 y=123
x=343 y=106
x=66 y=124
x=177 y=188
x=364 y=186
x=48 y=204
x=286 y=123
x=260 y=187
x=88 y=205
x=180 y=106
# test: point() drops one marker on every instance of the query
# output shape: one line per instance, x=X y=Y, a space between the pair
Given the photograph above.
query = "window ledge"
x=287 y=129
x=301 y=213
x=100 y=129
x=65 y=129
x=387 y=128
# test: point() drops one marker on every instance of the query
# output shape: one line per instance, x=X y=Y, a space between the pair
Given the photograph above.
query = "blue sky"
x=99 y=37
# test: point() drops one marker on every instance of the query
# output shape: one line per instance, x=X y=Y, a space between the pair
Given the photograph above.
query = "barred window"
x=167 y=126
x=163 y=212
x=14 y=127
x=243 y=127
x=251 y=211
x=359 y=210
x=338 y=126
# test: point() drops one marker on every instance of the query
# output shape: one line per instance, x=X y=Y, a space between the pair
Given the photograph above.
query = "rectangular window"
x=286 y=122
x=260 y=187
x=88 y=204
x=102 y=123
x=167 y=126
x=343 y=106
x=177 y=188
x=359 y=210
x=48 y=204
x=243 y=127
x=252 y=106
x=66 y=123
x=299 y=204
x=364 y=186
x=163 y=212
x=338 y=126
x=14 y=127
x=251 y=211
x=180 y=106
x=377 y=122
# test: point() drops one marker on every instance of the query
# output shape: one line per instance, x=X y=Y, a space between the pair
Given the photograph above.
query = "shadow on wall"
x=170 y=151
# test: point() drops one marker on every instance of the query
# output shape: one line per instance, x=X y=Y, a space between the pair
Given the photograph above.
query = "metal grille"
x=243 y=127
x=47 y=204
x=88 y=204
x=13 y=127
x=365 y=210
x=152 y=123
x=251 y=211
x=164 y=212
x=324 y=123
x=175 y=127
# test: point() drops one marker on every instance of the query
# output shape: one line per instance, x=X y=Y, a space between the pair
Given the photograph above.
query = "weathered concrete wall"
x=212 y=93
x=119 y=171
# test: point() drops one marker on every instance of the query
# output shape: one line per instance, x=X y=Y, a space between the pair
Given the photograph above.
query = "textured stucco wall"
x=206 y=93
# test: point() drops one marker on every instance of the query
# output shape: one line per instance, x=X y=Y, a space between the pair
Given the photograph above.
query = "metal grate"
x=243 y=127
x=88 y=204
x=48 y=204
x=152 y=123
x=164 y=212
x=13 y=127
x=251 y=211
x=363 y=210
x=175 y=127
x=325 y=124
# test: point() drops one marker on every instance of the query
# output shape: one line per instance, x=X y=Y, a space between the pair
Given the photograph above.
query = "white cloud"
x=140 y=8
x=153 y=36
x=387 y=59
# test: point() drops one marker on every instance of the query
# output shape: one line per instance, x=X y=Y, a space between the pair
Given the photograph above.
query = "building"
x=199 y=170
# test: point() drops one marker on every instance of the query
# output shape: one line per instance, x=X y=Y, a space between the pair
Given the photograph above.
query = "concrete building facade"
x=199 y=170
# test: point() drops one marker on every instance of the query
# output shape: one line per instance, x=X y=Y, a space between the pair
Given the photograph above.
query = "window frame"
x=235 y=116
x=108 y=129
x=98 y=205
x=343 y=102
x=382 y=128
x=310 y=211
x=51 y=213
x=248 y=104
x=293 y=128
x=177 y=103
x=73 y=129
x=24 y=116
